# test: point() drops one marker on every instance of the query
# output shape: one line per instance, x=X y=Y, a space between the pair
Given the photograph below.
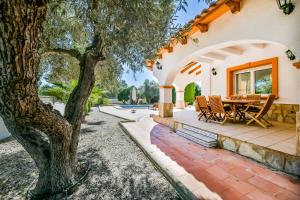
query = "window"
x=253 y=81
x=243 y=83
x=263 y=81
x=260 y=77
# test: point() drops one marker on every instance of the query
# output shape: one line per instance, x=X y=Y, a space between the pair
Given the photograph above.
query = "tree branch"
x=71 y=52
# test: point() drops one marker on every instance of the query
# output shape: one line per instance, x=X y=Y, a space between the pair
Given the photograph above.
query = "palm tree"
x=62 y=92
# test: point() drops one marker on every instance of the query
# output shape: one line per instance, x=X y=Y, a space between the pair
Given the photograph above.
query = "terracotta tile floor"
x=230 y=175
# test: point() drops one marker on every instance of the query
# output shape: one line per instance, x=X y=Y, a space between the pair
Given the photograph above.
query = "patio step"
x=201 y=131
x=199 y=136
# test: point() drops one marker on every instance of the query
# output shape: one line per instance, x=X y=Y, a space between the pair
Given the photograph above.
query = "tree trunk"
x=38 y=148
x=76 y=103
x=27 y=118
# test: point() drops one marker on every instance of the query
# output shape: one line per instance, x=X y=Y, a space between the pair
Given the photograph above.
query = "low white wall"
x=3 y=130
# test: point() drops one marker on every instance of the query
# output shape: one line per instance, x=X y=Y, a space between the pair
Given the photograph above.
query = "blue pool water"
x=135 y=106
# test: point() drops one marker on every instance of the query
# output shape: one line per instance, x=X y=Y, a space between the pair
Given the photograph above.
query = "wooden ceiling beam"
x=198 y=72
x=297 y=64
x=188 y=66
x=195 y=69
x=202 y=27
x=234 y=6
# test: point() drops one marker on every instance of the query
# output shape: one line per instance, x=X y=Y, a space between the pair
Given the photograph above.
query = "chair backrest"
x=216 y=104
x=201 y=100
x=236 y=97
x=267 y=105
x=253 y=97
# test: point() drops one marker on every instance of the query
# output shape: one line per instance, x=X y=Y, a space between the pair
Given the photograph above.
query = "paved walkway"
x=230 y=175
x=126 y=113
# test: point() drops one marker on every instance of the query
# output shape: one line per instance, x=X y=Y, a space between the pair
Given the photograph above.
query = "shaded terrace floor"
x=230 y=175
x=280 y=137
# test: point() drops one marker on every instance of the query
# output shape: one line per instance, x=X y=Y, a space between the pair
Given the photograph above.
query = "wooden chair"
x=246 y=107
x=239 y=109
x=256 y=113
x=254 y=97
x=204 y=108
x=219 y=113
x=236 y=97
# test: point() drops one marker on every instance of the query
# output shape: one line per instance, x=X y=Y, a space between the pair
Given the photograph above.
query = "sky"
x=194 y=8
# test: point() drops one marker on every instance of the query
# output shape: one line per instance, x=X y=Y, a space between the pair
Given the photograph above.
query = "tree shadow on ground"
x=131 y=182
x=96 y=123
x=87 y=130
x=18 y=171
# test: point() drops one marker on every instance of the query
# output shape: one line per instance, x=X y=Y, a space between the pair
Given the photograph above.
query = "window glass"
x=263 y=81
x=243 y=85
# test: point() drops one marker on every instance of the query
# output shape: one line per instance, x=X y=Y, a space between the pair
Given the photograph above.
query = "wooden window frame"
x=271 y=61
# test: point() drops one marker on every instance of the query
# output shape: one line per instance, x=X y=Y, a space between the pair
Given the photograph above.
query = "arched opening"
x=192 y=90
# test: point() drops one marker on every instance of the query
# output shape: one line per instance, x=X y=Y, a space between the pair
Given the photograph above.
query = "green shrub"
x=189 y=93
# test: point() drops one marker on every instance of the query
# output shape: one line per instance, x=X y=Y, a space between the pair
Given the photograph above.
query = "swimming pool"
x=134 y=106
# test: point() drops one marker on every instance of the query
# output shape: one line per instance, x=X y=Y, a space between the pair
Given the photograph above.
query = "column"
x=180 y=99
x=165 y=101
x=206 y=81
x=298 y=119
x=298 y=132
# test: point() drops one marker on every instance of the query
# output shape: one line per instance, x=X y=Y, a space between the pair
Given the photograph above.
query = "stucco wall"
x=288 y=75
x=260 y=21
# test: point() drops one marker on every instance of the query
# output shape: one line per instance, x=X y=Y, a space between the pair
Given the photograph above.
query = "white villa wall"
x=260 y=21
x=287 y=73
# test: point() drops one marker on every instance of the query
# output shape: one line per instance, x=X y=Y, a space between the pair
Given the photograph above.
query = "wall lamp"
x=286 y=6
x=290 y=55
x=158 y=65
x=214 y=71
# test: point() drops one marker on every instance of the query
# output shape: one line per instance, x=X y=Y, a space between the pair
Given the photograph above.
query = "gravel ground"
x=119 y=169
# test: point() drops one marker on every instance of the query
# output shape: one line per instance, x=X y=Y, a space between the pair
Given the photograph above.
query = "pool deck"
x=126 y=113
x=206 y=172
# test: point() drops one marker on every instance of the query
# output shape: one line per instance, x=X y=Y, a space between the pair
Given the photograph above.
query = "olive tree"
x=124 y=31
x=94 y=33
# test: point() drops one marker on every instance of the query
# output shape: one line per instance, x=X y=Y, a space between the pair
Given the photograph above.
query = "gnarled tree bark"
x=49 y=138
x=26 y=117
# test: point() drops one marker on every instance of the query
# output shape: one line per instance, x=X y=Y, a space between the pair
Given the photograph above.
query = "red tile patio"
x=230 y=175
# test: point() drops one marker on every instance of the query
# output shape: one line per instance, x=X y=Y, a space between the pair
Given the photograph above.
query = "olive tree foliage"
x=86 y=33
x=83 y=33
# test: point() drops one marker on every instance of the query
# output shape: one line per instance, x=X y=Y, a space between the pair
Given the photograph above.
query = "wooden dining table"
x=236 y=103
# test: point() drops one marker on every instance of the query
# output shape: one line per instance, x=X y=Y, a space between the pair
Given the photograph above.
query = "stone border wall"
x=272 y=158
x=283 y=113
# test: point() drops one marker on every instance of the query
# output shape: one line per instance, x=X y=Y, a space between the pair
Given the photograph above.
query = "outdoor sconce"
x=290 y=55
x=214 y=71
x=158 y=65
x=286 y=6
